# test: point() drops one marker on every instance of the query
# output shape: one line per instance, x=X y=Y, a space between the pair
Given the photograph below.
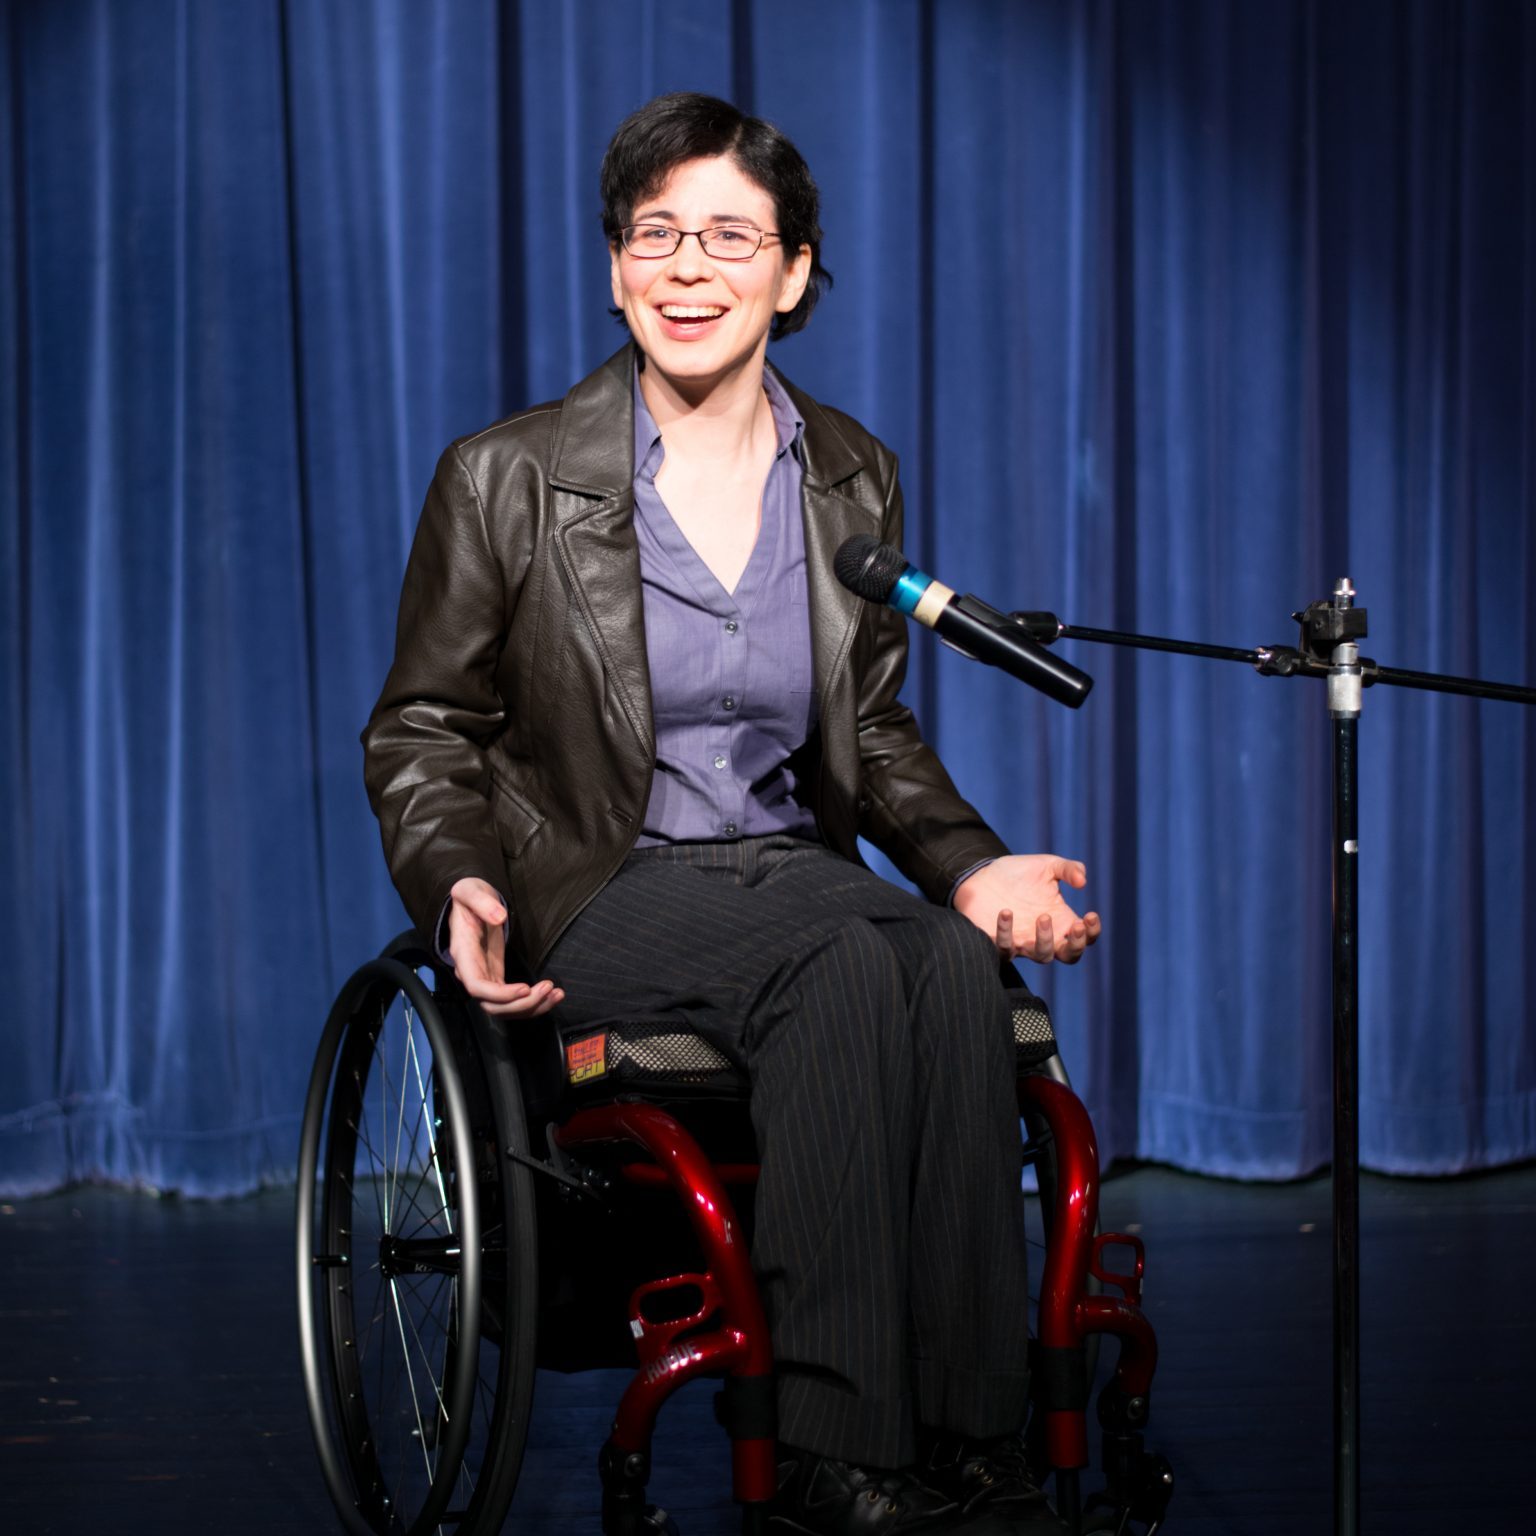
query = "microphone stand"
x=1331 y=630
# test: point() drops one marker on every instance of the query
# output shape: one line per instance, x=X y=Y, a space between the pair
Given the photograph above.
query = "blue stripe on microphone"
x=910 y=586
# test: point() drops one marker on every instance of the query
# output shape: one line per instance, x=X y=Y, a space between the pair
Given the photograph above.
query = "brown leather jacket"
x=513 y=738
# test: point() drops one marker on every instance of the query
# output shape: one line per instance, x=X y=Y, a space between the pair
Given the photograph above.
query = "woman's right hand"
x=478 y=947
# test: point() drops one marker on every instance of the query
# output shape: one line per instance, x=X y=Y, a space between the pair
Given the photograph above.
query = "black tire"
x=416 y=1257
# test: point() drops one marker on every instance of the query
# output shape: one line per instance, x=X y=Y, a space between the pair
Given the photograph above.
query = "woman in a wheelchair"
x=633 y=728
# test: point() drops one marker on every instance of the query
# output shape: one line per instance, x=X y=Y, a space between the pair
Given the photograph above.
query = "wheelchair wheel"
x=417 y=1265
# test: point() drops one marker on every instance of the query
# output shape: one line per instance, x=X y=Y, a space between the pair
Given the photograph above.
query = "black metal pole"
x=1344 y=694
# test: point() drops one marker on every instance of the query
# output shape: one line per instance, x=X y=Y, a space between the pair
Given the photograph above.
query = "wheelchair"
x=476 y=1202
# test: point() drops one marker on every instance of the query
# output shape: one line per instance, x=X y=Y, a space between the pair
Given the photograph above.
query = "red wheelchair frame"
x=675 y=1351
x=475 y=1092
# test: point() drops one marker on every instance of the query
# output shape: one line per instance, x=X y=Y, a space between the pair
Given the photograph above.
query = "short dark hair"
x=652 y=142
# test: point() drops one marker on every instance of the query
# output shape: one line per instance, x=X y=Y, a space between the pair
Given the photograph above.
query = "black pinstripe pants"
x=889 y=1244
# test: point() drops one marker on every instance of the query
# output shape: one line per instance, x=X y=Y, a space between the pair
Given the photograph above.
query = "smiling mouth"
x=685 y=312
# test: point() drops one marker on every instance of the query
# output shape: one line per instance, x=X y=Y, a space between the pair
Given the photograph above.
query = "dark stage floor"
x=149 y=1381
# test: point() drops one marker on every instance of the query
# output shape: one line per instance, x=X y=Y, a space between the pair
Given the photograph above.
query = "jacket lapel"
x=595 y=529
x=830 y=518
x=836 y=503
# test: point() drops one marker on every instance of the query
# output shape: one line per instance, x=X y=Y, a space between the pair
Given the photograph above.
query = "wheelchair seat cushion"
x=665 y=1053
x=662 y=1052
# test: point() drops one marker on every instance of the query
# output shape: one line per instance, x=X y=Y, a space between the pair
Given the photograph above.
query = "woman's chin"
x=695 y=358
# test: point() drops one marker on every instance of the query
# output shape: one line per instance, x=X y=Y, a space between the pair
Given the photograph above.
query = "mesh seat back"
x=1034 y=1037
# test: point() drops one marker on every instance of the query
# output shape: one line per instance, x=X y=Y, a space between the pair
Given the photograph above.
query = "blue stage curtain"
x=1175 y=312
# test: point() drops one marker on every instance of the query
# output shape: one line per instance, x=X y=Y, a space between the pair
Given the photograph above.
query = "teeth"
x=691 y=311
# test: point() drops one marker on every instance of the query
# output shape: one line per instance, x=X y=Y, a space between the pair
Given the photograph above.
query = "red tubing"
x=740 y=1344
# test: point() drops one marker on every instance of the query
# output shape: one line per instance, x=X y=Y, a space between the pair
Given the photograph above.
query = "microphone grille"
x=868 y=568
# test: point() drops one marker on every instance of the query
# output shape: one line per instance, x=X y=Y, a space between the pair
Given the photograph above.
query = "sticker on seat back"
x=588 y=1058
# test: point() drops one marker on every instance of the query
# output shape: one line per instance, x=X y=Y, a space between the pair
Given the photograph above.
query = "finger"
x=517 y=1008
x=484 y=904
x=1004 y=938
x=1094 y=926
x=555 y=997
x=1073 y=943
x=468 y=959
x=472 y=964
x=484 y=990
x=1071 y=872
x=495 y=953
x=540 y=999
x=468 y=932
x=1045 y=941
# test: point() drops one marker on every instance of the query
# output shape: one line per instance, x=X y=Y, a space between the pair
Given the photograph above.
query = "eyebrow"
x=654 y=215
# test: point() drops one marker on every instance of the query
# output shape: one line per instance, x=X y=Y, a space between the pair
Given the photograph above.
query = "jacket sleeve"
x=909 y=807
x=424 y=745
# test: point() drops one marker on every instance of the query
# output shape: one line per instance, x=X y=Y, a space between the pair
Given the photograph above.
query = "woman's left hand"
x=1017 y=902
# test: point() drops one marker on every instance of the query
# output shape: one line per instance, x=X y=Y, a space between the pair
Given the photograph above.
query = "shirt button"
x=728 y=702
x=729 y=829
x=719 y=760
x=731 y=626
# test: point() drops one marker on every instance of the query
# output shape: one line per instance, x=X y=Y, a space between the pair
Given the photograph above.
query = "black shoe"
x=985 y=1477
x=821 y=1497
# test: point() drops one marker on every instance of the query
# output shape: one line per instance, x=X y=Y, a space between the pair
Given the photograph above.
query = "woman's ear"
x=613 y=275
x=797 y=273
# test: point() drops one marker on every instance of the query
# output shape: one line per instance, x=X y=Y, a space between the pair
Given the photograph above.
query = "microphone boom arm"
x=1272 y=660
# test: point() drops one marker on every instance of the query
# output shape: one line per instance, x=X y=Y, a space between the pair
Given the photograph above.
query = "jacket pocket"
x=516 y=819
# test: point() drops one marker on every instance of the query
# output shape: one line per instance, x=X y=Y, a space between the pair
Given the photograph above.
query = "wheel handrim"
x=401 y=1261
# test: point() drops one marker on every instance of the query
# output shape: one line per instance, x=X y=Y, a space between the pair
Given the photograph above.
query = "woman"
x=632 y=731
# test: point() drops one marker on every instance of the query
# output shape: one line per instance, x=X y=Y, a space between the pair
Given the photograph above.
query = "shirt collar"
x=788 y=425
x=787 y=421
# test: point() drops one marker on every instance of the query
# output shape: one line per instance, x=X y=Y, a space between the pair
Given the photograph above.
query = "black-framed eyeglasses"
x=724 y=242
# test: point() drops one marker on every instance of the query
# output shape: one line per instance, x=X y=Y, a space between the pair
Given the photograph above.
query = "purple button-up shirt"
x=732 y=690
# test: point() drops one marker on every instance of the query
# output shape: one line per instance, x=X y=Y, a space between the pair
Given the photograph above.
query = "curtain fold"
x=1175 y=312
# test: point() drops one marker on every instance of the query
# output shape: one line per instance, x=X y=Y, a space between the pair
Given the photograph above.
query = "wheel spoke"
x=407 y=1046
x=426 y=1359
x=405 y=1355
x=393 y=1164
x=431 y=1134
x=360 y=1128
x=428 y=1218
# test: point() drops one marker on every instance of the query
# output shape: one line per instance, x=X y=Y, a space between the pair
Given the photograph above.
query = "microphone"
x=880 y=574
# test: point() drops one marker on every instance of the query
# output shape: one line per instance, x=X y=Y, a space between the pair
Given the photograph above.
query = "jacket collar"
x=594 y=459
x=592 y=456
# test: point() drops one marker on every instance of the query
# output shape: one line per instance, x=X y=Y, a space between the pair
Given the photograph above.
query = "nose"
x=688 y=263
